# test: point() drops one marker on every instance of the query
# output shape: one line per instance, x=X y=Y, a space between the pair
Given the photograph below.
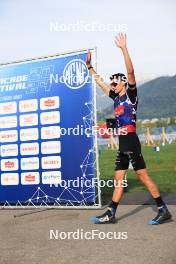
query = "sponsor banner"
x=30 y=178
x=50 y=132
x=28 y=105
x=9 y=150
x=29 y=120
x=49 y=103
x=41 y=101
x=8 y=122
x=51 y=177
x=50 y=147
x=30 y=163
x=9 y=164
x=51 y=117
x=8 y=136
x=51 y=162
x=29 y=134
x=9 y=179
x=29 y=149
x=8 y=108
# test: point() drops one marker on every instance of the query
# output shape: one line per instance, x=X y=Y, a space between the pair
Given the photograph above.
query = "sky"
x=26 y=32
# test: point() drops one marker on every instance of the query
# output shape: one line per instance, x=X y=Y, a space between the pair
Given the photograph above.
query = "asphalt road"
x=26 y=239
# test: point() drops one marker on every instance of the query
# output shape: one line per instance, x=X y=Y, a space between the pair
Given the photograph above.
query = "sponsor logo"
x=30 y=163
x=49 y=103
x=28 y=105
x=9 y=164
x=29 y=134
x=50 y=132
x=29 y=149
x=51 y=177
x=119 y=110
x=29 y=120
x=9 y=150
x=8 y=121
x=50 y=147
x=75 y=74
x=9 y=179
x=52 y=162
x=8 y=108
x=28 y=178
x=50 y=117
x=8 y=136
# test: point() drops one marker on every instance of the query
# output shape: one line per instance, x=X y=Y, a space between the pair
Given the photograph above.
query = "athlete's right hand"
x=88 y=59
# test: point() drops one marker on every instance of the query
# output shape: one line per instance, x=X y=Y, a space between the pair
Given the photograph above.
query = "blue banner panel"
x=46 y=116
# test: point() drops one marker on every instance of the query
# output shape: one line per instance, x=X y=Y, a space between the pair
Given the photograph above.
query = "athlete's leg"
x=163 y=212
x=122 y=163
x=148 y=182
x=118 y=185
x=140 y=168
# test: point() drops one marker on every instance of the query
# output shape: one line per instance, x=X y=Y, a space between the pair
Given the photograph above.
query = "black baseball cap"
x=119 y=75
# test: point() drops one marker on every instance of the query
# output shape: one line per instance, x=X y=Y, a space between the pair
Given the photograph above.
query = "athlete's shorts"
x=125 y=158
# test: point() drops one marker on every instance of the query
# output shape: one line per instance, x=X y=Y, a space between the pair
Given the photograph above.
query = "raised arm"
x=98 y=79
x=121 y=43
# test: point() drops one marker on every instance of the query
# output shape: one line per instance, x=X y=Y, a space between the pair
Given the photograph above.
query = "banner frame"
x=97 y=205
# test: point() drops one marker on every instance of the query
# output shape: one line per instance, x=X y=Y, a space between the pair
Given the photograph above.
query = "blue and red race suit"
x=125 y=108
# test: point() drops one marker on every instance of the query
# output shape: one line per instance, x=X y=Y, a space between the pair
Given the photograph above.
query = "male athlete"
x=123 y=92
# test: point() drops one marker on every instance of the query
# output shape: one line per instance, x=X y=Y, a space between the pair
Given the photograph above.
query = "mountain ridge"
x=157 y=98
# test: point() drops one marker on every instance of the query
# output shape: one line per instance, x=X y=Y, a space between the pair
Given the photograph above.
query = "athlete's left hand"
x=120 y=40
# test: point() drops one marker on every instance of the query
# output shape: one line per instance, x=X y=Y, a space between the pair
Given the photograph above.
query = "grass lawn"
x=161 y=167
